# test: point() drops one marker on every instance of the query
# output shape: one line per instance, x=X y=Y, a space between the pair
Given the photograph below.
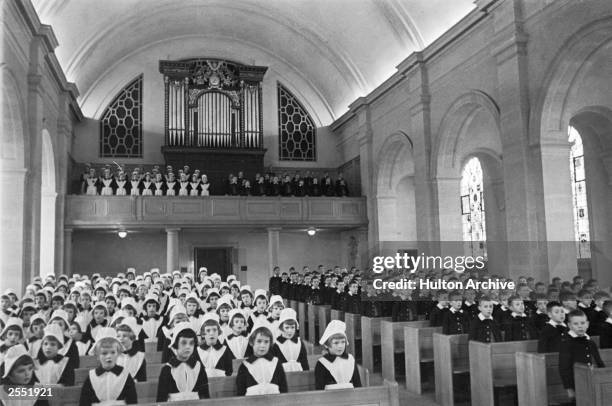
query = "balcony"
x=91 y=212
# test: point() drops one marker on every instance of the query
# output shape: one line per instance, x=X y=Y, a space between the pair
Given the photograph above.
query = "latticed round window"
x=296 y=129
x=121 y=123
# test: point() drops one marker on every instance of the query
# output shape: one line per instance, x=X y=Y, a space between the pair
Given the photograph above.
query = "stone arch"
x=574 y=94
x=470 y=128
x=394 y=190
x=12 y=150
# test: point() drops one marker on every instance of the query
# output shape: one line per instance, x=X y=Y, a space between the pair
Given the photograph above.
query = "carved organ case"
x=213 y=104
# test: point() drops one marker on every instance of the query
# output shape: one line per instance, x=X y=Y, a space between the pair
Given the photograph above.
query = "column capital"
x=271 y=229
x=173 y=229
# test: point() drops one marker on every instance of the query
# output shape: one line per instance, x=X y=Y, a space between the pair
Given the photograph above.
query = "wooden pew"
x=593 y=385
x=301 y=315
x=370 y=337
x=392 y=339
x=538 y=379
x=91 y=361
x=311 y=311
x=337 y=314
x=353 y=332
x=219 y=387
x=384 y=395
x=418 y=352
x=493 y=367
x=451 y=358
x=324 y=316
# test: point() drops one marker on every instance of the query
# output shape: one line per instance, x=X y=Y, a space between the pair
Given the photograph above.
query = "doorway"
x=216 y=260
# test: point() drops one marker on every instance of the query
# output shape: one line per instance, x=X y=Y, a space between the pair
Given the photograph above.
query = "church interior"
x=246 y=135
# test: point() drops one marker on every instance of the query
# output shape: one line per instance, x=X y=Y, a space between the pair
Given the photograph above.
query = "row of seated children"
x=215 y=347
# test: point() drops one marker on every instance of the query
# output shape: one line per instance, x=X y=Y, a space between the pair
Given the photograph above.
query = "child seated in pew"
x=111 y=304
x=52 y=368
x=554 y=331
x=77 y=334
x=132 y=358
x=289 y=348
x=100 y=320
x=11 y=335
x=237 y=341
x=224 y=305
x=178 y=314
x=131 y=309
x=437 y=313
x=69 y=347
x=585 y=302
x=456 y=320
x=578 y=348
x=501 y=312
x=212 y=297
x=246 y=296
x=18 y=370
x=215 y=356
x=274 y=310
x=483 y=327
x=470 y=306
x=108 y=382
x=193 y=308
x=598 y=315
x=605 y=328
x=260 y=313
x=37 y=326
x=183 y=377
x=568 y=300
x=151 y=320
x=540 y=317
x=261 y=373
x=519 y=325
x=337 y=369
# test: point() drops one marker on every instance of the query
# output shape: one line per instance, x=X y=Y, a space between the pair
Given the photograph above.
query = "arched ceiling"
x=339 y=49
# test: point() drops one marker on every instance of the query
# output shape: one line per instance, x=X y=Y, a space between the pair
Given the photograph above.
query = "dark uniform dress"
x=485 y=330
x=605 y=334
x=455 y=322
x=539 y=320
x=576 y=350
x=551 y=336
x=274 y=286
x=108 y=385
x=291 y=353
x=136 y=364
x=337 y=372
x=261 y=376
x=183 y=380
x=217 y=359
x=436 y=315
x=352 y=304
x=520 y=328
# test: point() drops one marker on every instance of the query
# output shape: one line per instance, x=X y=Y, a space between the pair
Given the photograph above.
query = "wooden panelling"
x=133 y=211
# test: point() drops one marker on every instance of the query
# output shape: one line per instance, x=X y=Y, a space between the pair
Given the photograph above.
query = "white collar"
x=515 y=315
x=456 y=311
x=574 y=335
x=468 y=303
x=539 y=312
x=440 y=307
x=555 y=324
x=580 y=304
x=483 y=318
x=609 y=320
x=597 y=309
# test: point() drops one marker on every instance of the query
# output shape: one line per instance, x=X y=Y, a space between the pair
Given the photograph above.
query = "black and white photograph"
x=306 y=202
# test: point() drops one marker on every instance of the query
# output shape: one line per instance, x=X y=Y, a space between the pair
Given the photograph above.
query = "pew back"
x=301 y=314
x=418 y=350
x=451 y=357
x=353 y=329
x=311 y=311
x=494 y=365
x=593 y=385
x=370 y=337
x=538 y=378
x=323 y=316
x=392 y=342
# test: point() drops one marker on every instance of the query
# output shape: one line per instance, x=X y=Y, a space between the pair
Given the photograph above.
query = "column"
x=67 y=252
x=172 y=249
x=273 y=248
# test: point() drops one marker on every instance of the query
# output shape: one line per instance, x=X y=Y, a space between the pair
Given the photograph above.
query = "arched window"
x=296 y=129
x=121 y=124
x=472 y=209
x=579 y=194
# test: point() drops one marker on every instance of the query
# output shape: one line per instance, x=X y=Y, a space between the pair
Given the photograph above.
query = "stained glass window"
x=296 y=129
x=121 y=123
x=472 y=209
x=579 y=194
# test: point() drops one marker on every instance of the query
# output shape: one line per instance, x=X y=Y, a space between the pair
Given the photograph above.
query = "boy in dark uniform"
x=578 y=348
x=519 y=325
x=540 y=317
x=483 y=328
x=436 y=314
x=456 y=320
x=554 y=331
x=605 y=328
